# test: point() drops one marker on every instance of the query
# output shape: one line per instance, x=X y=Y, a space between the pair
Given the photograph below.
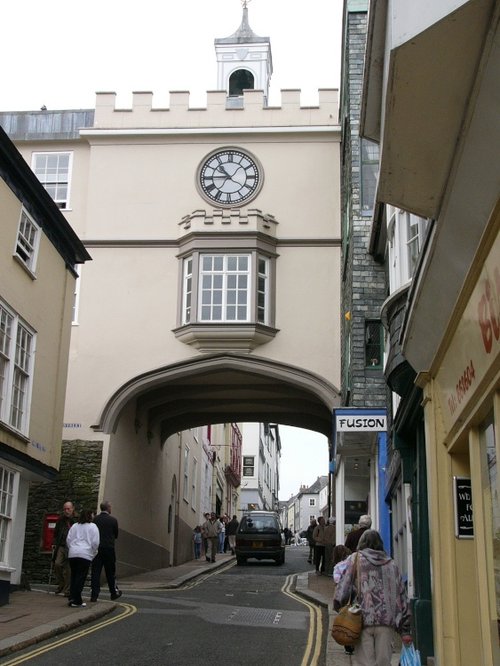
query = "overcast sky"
x=59 y=53
x=304 y=457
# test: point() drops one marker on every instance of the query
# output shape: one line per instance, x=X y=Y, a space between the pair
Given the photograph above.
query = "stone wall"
x=364 y=280
x=78 y=481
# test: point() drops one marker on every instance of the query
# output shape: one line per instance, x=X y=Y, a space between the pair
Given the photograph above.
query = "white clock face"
x=229 y=177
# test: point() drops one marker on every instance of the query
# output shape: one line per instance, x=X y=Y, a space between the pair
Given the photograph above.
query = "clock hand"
x=227 y=175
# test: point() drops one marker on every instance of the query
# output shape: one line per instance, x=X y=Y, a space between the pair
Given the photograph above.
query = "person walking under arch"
x=106 y=556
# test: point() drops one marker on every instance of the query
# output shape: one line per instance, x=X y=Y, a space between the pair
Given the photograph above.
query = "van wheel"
x=240 y=560
x=280 y=560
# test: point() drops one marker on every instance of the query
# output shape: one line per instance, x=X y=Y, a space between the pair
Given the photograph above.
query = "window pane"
x=373 y=343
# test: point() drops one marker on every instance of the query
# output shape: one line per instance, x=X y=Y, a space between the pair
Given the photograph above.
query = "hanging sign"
x=361 y=422
x=464 y=519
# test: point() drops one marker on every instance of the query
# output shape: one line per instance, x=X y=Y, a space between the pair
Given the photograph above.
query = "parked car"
x=260 y=535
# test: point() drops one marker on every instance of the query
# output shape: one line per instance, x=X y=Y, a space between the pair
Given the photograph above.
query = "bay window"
x=226 y=299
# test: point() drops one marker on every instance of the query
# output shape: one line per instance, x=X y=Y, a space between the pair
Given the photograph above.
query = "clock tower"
x=244 y=62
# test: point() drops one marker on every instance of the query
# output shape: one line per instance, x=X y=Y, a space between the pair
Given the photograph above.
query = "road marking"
x=128 y=610
x=314 y=639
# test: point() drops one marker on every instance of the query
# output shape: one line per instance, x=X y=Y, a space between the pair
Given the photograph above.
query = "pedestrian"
x=319 y=546
x=106 y=556
x=329 y=537
x=83 y=543
x=351 y=542
x=379 y=589
x=212 y=528
x=231 y=529
x=310 y=539
x=197 y=542
x=222 y=534
x=340 y=555
x=206 y=516
x=62 y=569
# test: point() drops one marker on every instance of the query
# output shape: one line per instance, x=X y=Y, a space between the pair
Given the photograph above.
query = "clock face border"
x=229 y=204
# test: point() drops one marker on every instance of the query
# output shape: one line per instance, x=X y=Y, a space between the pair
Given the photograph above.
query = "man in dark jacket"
x=106 y=557
x=60 y=554
x=231 y=529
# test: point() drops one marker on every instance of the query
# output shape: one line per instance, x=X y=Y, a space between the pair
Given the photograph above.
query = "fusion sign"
x=344 y=423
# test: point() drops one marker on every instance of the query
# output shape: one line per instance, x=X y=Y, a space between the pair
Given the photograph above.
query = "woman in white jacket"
x=82 y=542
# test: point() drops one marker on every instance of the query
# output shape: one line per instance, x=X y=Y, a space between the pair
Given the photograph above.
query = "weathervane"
x=244 y=3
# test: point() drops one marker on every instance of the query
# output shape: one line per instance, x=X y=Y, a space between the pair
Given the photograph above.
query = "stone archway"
x=216 y=388
x=148 y=423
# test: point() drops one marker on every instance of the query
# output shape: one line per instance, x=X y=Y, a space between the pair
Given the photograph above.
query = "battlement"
x=252 y=112
x=253 y=221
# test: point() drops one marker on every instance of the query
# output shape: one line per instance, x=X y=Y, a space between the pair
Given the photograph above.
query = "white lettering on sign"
x=361 y=423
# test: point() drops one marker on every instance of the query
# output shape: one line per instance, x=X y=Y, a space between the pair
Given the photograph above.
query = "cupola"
x=244 y=62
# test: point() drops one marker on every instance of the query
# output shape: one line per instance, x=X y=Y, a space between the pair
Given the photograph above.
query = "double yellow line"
x=126 y=611
x=311 y=654
x=315 y=637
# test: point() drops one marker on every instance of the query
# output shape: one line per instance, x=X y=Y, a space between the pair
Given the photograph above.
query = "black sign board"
x=464 y=518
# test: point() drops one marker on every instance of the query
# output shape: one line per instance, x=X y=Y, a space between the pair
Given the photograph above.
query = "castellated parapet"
x=219 y=112
x=217 y=220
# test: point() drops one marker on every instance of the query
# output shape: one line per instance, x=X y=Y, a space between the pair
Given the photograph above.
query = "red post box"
x=49 y=525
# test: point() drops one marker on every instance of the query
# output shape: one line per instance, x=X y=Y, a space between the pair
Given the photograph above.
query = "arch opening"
x=225 y=387
x=239 y=81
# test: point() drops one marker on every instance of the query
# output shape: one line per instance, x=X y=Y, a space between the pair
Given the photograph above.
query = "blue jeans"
x=197 y=550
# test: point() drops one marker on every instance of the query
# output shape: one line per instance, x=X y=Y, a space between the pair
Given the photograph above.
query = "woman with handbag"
x=379 y=590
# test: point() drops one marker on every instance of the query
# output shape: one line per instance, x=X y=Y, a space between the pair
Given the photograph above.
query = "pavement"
x=33 y=616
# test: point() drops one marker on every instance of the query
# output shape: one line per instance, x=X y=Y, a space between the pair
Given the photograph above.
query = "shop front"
x=461 y=399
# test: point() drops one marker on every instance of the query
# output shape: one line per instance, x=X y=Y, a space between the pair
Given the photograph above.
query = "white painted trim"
x=296 y=129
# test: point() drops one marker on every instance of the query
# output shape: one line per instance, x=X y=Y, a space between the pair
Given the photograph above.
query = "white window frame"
x=53 y=183
x=27 y=241
x=312 y=501
x=17 y=354
x=248 y=466
x=257 y=275
x=405 y=233
x=9 y=481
